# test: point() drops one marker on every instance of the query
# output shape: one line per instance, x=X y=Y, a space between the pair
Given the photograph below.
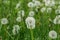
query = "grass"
x=42 y=22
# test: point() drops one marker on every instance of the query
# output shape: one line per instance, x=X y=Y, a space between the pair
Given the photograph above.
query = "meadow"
x=44 y=21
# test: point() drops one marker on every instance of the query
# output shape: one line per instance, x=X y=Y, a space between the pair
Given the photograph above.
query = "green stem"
x=9 y=34
x=50 y=39
x=32 y=38
x=17 y=37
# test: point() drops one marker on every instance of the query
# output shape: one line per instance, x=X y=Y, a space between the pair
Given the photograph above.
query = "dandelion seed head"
x=57 y=20
x=31 y=13
x=4 y=21
x=18 y=5
x=37 y=3
x=57 y=11
x=53 y=34
x=16 y=29
x=49 y=10
x=31 y=4
x=18 y=19
x=49 y=3
x=30 y=22
x=43 y=9
x=21 y=13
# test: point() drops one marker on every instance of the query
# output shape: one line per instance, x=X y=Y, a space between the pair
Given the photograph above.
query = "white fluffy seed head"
x=31 y=13
x=52 y=3
x=54 y=21
x=31 y=4
x=53 y=34
x=57 y=11
x=18 y=19
x=16 y=29
x=49 y=10
x=21 y=13
x=30 y=22
x=43 y=9
x=37 y=3
x=57 y=20
x=17 y=5
x=4 y=21
x=49 y=3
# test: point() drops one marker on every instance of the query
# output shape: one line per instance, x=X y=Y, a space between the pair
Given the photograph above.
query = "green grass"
x=42 y=22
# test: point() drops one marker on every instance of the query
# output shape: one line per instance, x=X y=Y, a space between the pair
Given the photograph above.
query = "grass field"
x=43 y=20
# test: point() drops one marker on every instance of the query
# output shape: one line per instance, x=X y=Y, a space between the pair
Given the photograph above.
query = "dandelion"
x=43 y=9
x=18 y=19
x=17 y=5
x=31 y=13
x=52 y=3
x=4 y=21
x=57 y=20
x=37 y=3
x=53 y=34
x=31 y=4
x=49 y=3
x=30 y=22
x=49 y=10
x=16 y=29
x=21 y=13
x=57 y=11
x=54 y=21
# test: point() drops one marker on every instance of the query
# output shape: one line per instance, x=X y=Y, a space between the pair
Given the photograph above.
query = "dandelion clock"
x=37 y=3
x=16 y=29
x=21 y=13
x=43 y=9
x=30 y=22
x=4 y=21
x=18 y=19
x=17 y=5
x=31 y=13
x=31 y=4
x=57 y=20
x=53 y=34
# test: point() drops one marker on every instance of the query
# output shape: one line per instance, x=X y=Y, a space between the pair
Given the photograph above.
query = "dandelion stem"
x=8 y=33
x=49 y=38
x=32 y=38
